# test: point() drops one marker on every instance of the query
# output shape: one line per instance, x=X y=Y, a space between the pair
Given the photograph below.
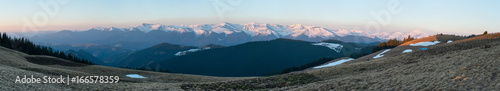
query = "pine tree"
x=62 y=55
x=70 y=57
x=45 y=51
x=38 y=50
x=6 y=41
x=485 y=33
x=1 y=39
x=51 y=52
x=408 y=39
x=75 y=59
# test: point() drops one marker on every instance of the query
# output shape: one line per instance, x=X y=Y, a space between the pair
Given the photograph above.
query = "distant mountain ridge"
x=226 y=34
x=256 y=29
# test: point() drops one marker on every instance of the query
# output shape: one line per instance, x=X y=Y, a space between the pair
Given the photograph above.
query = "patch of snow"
x=180 y=53
x=190 y=51
x=193 y=50
x=449 y=41
x=334 y=63
x=135 y=76
x=333 y=46
x=407 y=50
x=381 y=54
x=425 y=43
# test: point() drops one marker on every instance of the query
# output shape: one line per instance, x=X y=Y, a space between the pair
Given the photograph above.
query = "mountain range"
x=226 y=34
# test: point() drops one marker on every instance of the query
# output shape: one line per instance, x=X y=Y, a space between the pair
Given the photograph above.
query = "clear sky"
x=431 y=16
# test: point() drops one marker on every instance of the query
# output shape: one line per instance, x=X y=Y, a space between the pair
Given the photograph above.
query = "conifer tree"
x=1 y=39
x=62 y=55
x=6 y=41
x=70 y=57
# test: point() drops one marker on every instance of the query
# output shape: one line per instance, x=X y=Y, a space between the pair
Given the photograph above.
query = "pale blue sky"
x=432 y=16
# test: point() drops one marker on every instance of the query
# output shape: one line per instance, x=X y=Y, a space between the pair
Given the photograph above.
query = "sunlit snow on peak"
x=262 y=29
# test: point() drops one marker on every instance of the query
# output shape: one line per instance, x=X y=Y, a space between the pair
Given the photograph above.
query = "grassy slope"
x=461 y=66
x=398 y=50
x=464 y=65
x=13 y=63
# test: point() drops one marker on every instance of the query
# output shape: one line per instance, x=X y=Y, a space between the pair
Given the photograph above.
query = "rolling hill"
x=257 y=58
x=88 y=56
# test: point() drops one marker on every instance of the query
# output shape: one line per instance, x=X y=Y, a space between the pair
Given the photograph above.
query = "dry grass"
x=13 y=64
x=257 y=83
x=454 y=66
x=457 y=66
x=480 y=37
x=398 y=50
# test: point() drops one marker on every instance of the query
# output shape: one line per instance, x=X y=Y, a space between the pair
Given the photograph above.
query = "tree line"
x=392 y=43
x=28 y=47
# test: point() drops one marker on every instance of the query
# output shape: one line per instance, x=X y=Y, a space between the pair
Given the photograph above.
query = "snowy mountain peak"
x=116 y=29
x=107 y=29
x=146 y=27
x=99 y=28
x=401 y=35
